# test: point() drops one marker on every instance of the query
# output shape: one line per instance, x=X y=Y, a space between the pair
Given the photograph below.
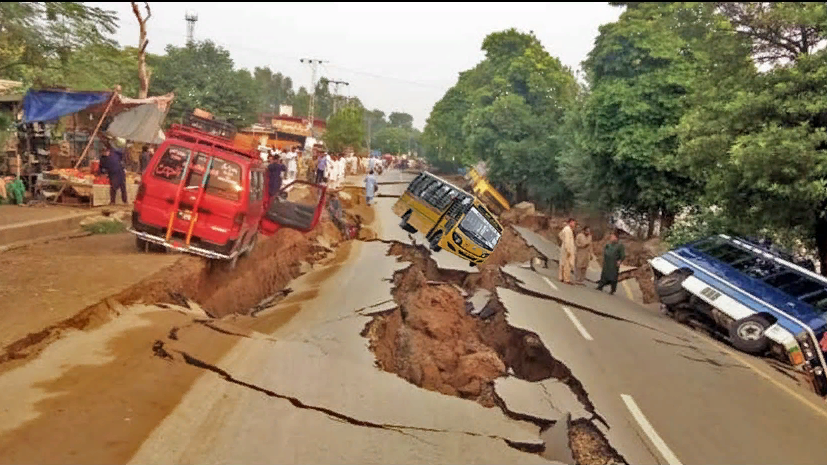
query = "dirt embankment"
x=638 y=252
x=274 y=262
x=433 y=341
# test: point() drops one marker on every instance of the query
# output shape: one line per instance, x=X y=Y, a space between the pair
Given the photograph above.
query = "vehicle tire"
x=404 y=224
x=435 y=242
x=251 y=245
x=674 y=299
x=670 y=284
x=747 y=334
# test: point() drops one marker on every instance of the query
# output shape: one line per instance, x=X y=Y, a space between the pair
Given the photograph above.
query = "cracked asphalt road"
x=298 y=384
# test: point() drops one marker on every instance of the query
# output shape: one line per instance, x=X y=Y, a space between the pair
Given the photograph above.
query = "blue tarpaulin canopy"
x=49 y=105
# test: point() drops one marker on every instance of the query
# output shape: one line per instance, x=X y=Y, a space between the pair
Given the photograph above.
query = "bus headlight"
x=457 y=239
x=806 y=346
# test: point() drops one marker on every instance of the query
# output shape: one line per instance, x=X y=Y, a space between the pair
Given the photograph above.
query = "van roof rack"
x=211 y=126
x=196 y=135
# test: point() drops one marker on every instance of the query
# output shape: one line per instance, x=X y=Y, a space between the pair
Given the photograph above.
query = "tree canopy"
x=346 y=129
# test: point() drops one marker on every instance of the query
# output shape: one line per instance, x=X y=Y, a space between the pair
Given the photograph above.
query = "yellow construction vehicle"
x=484 y=191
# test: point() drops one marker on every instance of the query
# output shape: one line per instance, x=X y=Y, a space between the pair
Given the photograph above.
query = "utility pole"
x=314 y=65
x=191 y=18
x=336 y=85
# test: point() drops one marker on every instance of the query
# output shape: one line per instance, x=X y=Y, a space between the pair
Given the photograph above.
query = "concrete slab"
x=631 y=290
x=548 y=399
x=545 y=247
x=479 y=300
x=13 y=232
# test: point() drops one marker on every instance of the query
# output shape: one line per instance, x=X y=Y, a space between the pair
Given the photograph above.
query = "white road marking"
x=551 y=284
x=577 y=324
x=664 y=450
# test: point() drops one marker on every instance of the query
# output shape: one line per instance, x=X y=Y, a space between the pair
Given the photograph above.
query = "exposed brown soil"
x=273 y=263
x=432 y=341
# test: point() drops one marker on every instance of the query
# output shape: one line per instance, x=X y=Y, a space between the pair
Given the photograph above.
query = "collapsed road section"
x=449 y=334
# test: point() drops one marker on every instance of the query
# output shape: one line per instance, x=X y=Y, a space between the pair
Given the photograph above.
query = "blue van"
x=758 y=300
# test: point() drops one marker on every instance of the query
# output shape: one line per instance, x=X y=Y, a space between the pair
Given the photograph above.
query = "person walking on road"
x=370 y=187
x=613 y=255
x=111 y=164
x=583 y=242
x=567 y=251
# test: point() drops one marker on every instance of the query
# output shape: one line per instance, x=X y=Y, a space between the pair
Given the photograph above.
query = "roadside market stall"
x=72 y=176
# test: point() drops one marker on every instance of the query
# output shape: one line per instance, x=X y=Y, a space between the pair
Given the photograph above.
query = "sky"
x=396 y=56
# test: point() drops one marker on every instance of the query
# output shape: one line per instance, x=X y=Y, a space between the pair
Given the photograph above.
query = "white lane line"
x=551 y=284
x=577 y=324
x=664 y=450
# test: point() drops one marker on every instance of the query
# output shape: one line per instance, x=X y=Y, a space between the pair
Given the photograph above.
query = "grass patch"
x=105 y=227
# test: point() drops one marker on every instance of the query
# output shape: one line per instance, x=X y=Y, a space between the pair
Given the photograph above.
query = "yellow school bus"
x=449 y=217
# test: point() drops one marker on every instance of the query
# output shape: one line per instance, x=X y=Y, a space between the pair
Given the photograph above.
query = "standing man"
x=370 y=187
x=292 y=167
x=613 y=255
x=111 y=164
x=583 y=242
x=146 y=157
x=567 y=251
x=321 y=166
x=275 y=171
x=371 y=163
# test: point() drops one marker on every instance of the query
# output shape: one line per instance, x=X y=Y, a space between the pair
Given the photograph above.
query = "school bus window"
x=802 y=287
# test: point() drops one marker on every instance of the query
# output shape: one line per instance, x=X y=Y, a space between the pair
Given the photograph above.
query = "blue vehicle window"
x=802 y=287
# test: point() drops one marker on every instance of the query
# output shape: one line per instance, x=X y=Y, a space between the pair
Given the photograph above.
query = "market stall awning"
x=49 y=105
x=141 y=123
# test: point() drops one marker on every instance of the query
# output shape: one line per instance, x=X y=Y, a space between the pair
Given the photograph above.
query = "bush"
x=105 y=227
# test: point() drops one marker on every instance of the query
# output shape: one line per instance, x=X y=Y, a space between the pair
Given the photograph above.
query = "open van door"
x=298 y=206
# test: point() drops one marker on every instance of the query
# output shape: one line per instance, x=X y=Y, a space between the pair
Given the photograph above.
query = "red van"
x=221 y=215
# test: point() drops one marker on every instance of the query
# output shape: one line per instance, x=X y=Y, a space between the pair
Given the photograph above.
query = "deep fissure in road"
x=432 y=340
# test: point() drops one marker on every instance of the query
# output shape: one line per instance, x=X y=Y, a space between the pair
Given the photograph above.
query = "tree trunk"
x=667 y=219
x=522 y=192
x=143 y=74
x=821 y=241
x=650 y=228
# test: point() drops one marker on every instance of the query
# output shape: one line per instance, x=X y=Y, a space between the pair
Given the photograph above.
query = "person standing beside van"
x=111 y=163
x=146 y=157
x=292 y=166
x=275 y=171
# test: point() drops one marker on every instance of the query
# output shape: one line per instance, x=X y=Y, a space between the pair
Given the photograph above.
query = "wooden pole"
x=91 y=140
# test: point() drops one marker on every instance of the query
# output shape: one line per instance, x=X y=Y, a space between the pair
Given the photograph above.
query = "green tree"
x=346 y=129
x=622 y=150
x=202 y=76
x=392 y=140
x=401 y=120
x=758 y=139
x=36 y=37
x=274 y=89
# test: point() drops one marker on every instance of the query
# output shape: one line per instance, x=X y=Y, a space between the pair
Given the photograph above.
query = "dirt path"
x=46 y=283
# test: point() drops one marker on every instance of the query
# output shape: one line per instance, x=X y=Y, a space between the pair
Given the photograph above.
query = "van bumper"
x=181 y=247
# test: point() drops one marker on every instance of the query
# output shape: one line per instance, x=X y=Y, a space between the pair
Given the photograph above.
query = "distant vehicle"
x=755 y=298
x=449 y=217
x=204 y=195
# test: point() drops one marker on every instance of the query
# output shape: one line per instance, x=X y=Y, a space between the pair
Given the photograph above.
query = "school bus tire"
x=435 y=241
x=744 y=337
x=404 y=223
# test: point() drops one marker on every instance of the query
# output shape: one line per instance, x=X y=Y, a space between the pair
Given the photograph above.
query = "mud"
x=432 y=341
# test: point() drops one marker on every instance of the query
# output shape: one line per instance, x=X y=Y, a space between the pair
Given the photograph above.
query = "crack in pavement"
x=298 y=403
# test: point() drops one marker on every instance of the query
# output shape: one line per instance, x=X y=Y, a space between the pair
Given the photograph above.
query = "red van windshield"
x=225 y=175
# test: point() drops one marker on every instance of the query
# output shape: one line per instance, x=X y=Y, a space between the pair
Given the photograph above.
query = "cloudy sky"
x=396 y=56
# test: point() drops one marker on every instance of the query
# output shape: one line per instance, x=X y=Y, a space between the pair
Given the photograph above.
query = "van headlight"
x=456 y=238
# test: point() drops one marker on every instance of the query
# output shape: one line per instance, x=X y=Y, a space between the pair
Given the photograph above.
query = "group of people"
x=331 y=169
x=576 y=253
